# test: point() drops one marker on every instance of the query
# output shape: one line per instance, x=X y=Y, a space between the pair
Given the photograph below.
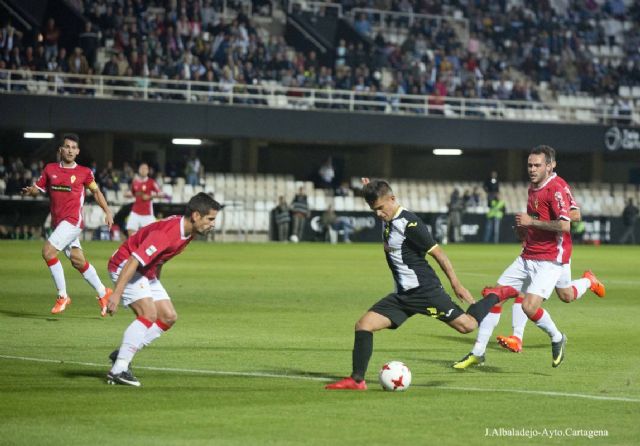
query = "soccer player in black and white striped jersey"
x=406 y=241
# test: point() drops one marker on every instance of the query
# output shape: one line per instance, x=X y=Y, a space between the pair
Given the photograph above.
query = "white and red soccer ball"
x=395 y=376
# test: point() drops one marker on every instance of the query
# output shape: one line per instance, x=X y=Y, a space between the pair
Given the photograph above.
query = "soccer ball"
x=395 y=376
x=294 y=238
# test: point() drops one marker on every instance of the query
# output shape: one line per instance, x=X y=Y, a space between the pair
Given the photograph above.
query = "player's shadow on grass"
x=234 y=348
x=460 y=339
x=80 y=373
x=43 y=317
x=301 y=373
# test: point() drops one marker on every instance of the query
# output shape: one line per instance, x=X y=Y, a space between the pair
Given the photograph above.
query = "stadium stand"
x=460 y=59
x=515 y=59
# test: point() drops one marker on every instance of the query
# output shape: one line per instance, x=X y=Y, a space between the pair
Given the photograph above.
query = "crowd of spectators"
x=178 y=40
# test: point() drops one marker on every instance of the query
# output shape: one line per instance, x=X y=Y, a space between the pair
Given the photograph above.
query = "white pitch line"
x=317 y=378
x=542 y=392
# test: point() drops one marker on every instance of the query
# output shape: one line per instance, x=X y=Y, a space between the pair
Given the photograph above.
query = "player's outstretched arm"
x=127 y=273
x=102 y=202
x=30 y=191
x=445 y=265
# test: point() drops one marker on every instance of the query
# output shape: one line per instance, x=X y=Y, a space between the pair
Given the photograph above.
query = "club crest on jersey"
x=535 y=204
x=150 y=250
x=73 y=179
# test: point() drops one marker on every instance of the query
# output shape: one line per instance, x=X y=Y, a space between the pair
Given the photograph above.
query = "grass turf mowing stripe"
x=326 y=379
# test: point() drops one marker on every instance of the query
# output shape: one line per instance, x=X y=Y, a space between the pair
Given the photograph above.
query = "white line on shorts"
x=326 y=379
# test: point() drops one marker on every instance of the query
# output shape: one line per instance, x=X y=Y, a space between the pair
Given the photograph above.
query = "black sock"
x=362 y=350
x=481 y=308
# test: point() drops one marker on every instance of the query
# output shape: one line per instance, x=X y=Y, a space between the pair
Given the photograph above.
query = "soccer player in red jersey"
x=567 y=290
x=543 y=263
x=143 y=189
x=135 y=270
x=66 y=182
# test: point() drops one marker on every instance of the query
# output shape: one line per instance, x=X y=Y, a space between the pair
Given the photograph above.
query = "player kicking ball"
x=406 y=241
x=66 y=182
x=135 y=269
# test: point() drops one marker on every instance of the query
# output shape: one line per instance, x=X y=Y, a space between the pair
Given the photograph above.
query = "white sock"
x=485 y=330
x=518 y=320
x=153 y=333
x=57 y=273
x=546 y=323
x=131 y=343
x=580 y=286
x=91 y=276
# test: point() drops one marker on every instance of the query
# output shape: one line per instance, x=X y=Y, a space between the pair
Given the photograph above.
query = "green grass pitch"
x=262 y=328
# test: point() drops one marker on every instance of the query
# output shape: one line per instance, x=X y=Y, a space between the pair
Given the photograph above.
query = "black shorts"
x=401 y=306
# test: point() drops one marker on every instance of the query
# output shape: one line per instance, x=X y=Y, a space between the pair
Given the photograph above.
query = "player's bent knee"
x=169 y=319
x=464 y=324
x=529 y=308
x=565 y=296
x=49 y=251
x=77 y=263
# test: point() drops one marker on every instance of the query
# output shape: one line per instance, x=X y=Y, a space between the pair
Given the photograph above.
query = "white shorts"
x=137 y=221
x=539 y=277
x=565 y=279
x=140 y=287
x=65 y=236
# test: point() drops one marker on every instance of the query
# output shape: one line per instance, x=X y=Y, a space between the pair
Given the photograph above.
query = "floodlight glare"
x=38 y=135
x=447 y=151
x=186 y=141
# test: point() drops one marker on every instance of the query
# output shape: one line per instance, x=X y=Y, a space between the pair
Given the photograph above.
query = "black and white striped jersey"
x=406 y=242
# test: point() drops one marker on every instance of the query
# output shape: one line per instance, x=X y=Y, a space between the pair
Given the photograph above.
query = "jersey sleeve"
x=151 y=247
x=570 y=198
x=419 y=235
x=559 y=205
x=90 y=181
x=43 y=181
x=154 y=187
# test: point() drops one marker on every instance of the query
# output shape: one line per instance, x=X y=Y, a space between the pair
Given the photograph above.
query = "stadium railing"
x=272 y=95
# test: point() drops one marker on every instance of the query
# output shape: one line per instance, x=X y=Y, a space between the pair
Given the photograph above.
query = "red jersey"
x=152 y=246
x=143 y=186
x=66 y=186
x=568 y=193
x=548 y=202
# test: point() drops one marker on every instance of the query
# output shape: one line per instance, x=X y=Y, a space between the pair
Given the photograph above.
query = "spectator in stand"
x=362 y=25
x=326 y=174
x=282 y=218
x=630 y=220
x=497 y=209
x=491 y=186
x=51 y=37
x=89 y=42
x=300 y=212
x=334 y=225
x=456 y=211
x=109 y=178
x=193 y=169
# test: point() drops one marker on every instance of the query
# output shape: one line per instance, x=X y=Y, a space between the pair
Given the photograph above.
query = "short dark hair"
x=548 y=152
x=374 y=190
x=201 y=203
x=71 y=137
